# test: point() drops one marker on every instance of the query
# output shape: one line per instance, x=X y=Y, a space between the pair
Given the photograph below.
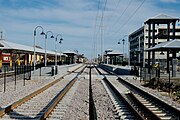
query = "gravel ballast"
x=103 y=104
x=79 y=105
x=10 y=95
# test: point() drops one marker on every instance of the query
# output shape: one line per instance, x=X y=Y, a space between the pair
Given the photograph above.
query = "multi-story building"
x=138 y=42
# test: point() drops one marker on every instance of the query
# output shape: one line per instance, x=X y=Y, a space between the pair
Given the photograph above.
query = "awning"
x=173 y=45
x=7 y=45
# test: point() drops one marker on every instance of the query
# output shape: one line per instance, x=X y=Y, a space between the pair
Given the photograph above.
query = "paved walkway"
x=35 y=76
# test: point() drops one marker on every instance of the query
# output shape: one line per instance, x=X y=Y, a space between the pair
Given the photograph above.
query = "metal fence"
x=18 y=73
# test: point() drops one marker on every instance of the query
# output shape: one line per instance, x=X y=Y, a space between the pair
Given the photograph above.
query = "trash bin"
x=52 y=71
x=56 y=71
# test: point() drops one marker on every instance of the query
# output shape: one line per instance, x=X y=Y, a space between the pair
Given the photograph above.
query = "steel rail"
x=59 y=96
x=120 y=96
x=156 y=100
x=14 y=105
x=129 y=105
x=166 y=106
x=21 y=101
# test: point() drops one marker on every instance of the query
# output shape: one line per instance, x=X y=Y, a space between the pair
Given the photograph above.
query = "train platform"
x=125 y=70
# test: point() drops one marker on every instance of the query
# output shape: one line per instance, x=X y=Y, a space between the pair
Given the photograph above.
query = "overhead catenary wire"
x=95 y=33
x=119 y=18
x=132 y=15
x=111 y=16
x=119 y=32
x=102 y=30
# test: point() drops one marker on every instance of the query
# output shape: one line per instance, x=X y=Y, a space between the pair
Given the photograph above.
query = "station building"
x=139 y=41
x=13 y=53
x=113 y=57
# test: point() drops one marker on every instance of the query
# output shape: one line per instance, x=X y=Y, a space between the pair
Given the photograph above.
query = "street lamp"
x=46 y=35
x=42 y=33
x=56 y=48
x=60 y=47
x=135 y=55
x=123 y=40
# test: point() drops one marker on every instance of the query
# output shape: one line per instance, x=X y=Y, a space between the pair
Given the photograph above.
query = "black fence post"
x=140 y=73
x=24 y=75
x=169 y=83
x=52 y=71
x=30 y=72
x=15 y=77
x=56 y=70
x=4 y=78
x=40 y=71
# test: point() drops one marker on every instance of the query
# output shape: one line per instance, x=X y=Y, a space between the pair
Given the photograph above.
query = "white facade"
x=139 y=42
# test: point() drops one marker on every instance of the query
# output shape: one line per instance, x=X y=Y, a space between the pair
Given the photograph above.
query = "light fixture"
x=52 y=36
x=161 y=53
x=42 y=33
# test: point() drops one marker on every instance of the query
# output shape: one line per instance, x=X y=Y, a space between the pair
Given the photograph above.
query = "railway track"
x=154 y=106
x=122 y=108
x=140 y=102
x=40 y=104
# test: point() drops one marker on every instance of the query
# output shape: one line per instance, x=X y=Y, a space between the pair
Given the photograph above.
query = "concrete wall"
x=119 y=70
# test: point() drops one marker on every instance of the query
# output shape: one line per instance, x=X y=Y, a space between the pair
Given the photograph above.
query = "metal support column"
x=168 y=33
x=153 y=43
x=149 y=42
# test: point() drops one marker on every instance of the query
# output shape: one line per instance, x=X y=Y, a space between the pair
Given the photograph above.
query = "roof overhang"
x=173 y=45
x=161 y=19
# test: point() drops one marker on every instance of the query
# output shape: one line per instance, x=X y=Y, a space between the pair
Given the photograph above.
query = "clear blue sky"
x=77 y=22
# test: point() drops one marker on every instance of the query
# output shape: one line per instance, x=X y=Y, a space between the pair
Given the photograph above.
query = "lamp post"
x=123 y=40
x=46 y=35
x=56 y=48
x=120 y=52
x=60 y=47
x=135 y=55
x=42 y=33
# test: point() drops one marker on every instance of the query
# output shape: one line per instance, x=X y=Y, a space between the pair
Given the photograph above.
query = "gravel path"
x=79 y=105
x=103 y=104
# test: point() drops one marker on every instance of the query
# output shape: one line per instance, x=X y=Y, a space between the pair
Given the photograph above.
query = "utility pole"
x=102 y=58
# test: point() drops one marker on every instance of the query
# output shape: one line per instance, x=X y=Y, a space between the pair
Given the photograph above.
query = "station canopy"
x=7 y=45
x=113 y=53
x=173 y=45
x=70 y=53
x=162 y=19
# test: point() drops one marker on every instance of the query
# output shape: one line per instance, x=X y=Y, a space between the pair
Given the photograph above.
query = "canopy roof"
x=162 y=19
x=169 y=45
x=70 y=53
x=7 y=45
x=114 y=53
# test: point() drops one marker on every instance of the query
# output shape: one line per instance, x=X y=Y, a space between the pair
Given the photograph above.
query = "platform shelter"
x=161 y=19
x=112 y=57
x=70 y=56
x=21 y=50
